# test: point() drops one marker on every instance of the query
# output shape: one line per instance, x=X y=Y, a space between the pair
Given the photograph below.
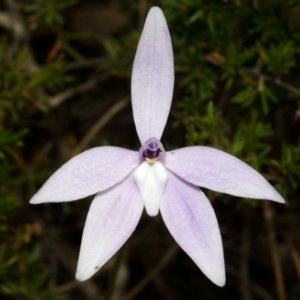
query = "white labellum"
x=151 y=181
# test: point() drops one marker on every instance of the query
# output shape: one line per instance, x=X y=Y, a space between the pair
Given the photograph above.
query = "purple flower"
x=127 y=181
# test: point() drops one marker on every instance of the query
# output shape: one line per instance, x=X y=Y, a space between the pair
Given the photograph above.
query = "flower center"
x=151 y=150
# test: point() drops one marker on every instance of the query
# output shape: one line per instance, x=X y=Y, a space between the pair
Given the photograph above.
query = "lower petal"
x=191 y=220
x=112 y=218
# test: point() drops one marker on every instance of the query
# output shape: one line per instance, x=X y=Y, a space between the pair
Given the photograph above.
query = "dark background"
x=65 y=70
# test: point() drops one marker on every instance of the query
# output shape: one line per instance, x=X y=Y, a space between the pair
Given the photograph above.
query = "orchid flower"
x=167 y=182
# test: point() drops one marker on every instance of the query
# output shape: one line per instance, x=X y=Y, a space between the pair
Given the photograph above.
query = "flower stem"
x=275 y=256
x=114 y=273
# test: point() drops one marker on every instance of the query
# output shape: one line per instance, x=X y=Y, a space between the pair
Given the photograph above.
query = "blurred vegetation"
x=64 y=63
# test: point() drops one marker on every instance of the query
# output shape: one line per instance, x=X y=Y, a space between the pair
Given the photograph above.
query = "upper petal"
x=191 y=220
x=152 y=77
x=221 y=172
x=112 y=218
x=87 y=173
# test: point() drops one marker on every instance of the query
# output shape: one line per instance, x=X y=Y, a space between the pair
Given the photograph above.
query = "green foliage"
x=46 y=12
x=22 y=276
x=24 y=86
x=289 y=165
x=229 y=56
x=237 y=78
x=119 y=62
x=52 y=77
x=9 y=140
x=281 y=58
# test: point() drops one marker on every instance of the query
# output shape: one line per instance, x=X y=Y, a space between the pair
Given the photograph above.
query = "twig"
x=162 y=287
x=274 y=251
x=121 y=281
x=14 y=21
x=114 y=273
x=259 y=290
x=67 y=257
x=277 y=80
x=215 y=59
x=244 y=269
x=20 y=35
x=52 y=54
x=61 y=289
x=72 y=51
x=9 y=23
x=88 y=63
x=66 y=287
x=294 y=252
x=170 y=253
x=69 y=93
x=291 y=246
x=101 y=123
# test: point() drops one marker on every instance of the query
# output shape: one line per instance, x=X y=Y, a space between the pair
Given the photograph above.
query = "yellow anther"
x=151 y=161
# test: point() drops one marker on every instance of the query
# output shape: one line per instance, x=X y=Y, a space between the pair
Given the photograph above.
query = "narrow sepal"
x=191 y=220
x=87 y=173
x=112 y=218
x=219 y=171
x=152 y=77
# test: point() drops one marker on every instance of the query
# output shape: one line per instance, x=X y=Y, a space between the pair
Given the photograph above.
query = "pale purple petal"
x=112 y=218
x=221 y=172
x=191 y=220
x=152 y=77
x=87 y=173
